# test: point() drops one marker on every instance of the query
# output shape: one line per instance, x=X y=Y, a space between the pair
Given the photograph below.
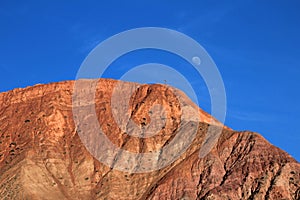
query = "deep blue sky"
x=255 y=45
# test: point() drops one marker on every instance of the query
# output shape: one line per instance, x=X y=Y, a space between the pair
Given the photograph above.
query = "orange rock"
x=43 y=157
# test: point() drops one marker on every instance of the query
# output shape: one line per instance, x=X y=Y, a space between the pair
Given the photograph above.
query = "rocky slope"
x=42 y=155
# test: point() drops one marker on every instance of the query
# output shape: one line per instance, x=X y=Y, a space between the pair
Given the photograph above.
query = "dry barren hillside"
x=43 y=157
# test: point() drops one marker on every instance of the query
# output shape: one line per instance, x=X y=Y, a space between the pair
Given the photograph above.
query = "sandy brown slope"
x=42 y=156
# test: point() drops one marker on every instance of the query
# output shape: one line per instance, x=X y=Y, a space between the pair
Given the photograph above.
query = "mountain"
x=47 y=151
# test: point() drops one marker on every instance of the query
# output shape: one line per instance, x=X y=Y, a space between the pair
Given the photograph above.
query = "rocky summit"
x=48 y=153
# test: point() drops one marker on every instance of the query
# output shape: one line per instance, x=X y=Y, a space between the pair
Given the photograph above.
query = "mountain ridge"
x=42 y=155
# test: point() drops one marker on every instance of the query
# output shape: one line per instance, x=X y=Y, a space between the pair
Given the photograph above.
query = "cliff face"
x=42 y=155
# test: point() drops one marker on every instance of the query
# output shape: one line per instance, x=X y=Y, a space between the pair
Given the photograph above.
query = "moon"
x=196 y=60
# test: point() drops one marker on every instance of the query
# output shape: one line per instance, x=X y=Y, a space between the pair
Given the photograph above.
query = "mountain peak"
x=44 y=154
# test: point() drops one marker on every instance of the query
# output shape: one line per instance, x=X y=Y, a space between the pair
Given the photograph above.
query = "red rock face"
x=43 y=157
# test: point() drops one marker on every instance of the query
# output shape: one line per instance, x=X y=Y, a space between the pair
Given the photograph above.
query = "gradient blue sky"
x=255 y=45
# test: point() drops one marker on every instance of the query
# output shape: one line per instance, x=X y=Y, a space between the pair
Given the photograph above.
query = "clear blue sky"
x=255 y=45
